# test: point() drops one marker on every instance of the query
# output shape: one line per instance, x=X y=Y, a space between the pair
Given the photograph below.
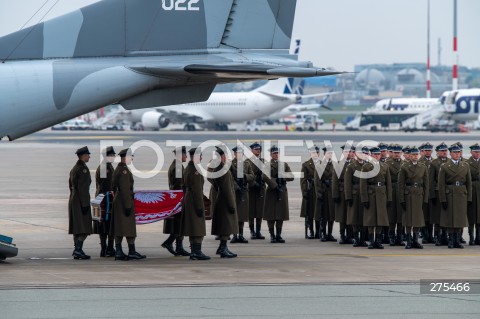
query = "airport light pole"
x=428 y=51
x=455 y=48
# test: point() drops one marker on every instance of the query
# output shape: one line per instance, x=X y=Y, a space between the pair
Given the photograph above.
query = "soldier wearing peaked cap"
x=440 y=234
x=352 y=199
x=325 y=209
x=383 y=152
x=243 y=176
x=406 y=152
x=123 y=219
x=413 y=195
x=395 y=212
x=376 y=196
x=455 y=191
x=276 y=198
x=171 y=226
x=256 y=192
x=79 y=211
x=473 y=211
x=193 y=207
x=224 y=214
x=307 y=186
x=103 y=179
x=338 y=190
x=426 y=159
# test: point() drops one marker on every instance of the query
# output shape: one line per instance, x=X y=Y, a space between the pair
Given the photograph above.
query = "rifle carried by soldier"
x=242 y=186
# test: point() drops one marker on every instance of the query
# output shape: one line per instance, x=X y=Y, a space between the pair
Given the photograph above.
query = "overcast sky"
x=340 y=33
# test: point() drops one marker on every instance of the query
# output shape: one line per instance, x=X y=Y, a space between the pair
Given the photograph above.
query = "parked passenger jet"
x=141 y=54
x=220 y=109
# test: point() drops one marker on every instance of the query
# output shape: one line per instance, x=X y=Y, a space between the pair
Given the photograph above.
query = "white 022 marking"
x=180 y=5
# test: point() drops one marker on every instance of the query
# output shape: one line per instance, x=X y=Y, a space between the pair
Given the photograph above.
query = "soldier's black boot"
x=240 y=238
x=223 y=250
x=310 y=228
x=323 y=236
x=197 y=253
x=168 y=244
x=110 y=252
x=234 y=239
x=363 y=238
x=273 y=239
x=408 y=245
x=456 y=241
x=356 y=239
x=450 y=241
x=78 y=253
x=258 y=234
x=424 y=235
x=133 y=254
x=318 y=229
x=330 y=230
x=119 y=255
x=445 y=237
x=371 y=245
x=279 y=236
x=438 y=239
x=399 y=241
x=385 y=237
x=343 y=240
x=471 y=242
x=477 y=239
x=378 y=241
x=460 y=237
x=350 y=238
x=103 y=245
x=253 y=234
x=415 y=243
x=391 y=237
x=179 y=248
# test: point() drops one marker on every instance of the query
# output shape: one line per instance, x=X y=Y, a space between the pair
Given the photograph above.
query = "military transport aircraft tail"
x=147 y=27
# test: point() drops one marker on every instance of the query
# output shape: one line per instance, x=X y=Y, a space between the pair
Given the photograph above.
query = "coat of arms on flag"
x=154 y=206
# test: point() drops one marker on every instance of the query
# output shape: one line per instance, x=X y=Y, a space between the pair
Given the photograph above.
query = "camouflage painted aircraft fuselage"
x=141 y=54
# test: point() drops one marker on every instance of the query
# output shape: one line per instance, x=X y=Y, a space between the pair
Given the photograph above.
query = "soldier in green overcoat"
x=413 y=195
x=473 y=212
x=244 y=178
x=309 y=197
x=440 y=233
x=338 y=190
x=192 y=222
x=376 y=197
x=256 y=192
x=352 y=198
x=103 y=179
x=79 y=210
x=224 y=214
x=324 y=209
x=395 y=212
x=171 y=226
x=455 y=191
x=427 y=231
x=123 y=219
x=276 y=198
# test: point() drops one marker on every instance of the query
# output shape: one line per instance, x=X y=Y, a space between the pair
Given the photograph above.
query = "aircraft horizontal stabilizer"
x=260 y=70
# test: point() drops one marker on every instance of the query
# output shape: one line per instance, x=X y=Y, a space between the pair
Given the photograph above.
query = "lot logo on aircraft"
x=468 y=104
x=180 y=5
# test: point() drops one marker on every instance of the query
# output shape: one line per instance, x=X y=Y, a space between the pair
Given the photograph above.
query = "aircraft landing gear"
x=189 y=127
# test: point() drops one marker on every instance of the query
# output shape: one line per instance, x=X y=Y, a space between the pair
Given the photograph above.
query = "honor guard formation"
x=388 y=194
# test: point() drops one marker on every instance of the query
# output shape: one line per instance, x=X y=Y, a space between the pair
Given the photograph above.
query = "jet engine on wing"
x=154 y=120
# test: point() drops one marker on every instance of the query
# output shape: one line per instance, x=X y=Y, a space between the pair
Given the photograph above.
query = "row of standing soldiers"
x=239 y=193
x=438 y=197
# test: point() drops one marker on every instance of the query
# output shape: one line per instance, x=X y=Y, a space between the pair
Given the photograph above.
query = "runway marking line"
x=364 y=255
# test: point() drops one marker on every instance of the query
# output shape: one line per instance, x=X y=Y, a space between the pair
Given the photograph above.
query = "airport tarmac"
x=33 y=201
